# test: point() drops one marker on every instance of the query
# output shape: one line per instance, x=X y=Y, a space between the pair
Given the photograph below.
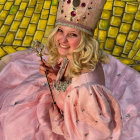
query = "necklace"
x=59 y=84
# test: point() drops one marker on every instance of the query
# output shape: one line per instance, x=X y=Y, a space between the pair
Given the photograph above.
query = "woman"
x=84 y=108
x=86 y=87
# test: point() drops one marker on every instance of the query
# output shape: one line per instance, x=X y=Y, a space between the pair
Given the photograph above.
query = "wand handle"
x=48 y=81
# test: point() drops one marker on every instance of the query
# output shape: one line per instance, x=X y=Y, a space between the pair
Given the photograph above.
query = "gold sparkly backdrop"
x=118 y=31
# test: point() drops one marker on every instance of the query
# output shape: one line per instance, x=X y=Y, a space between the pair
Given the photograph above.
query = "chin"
x=62 y=53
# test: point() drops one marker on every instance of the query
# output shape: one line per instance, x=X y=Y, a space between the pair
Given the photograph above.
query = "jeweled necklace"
x=59 y=84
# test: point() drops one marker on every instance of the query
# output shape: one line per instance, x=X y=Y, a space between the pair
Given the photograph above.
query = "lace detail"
x=62 y=85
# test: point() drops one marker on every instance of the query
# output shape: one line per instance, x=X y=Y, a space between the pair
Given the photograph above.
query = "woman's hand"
x=45 y=68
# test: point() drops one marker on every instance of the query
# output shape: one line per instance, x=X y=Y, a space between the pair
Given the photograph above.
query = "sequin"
x=119 y=74
x=73 y=13
x=86 y=134
x=127 y=115
x=44 y=84
x=16 y=102
x=83 y=4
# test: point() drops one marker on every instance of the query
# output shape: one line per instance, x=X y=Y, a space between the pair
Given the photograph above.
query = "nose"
x=64 y=39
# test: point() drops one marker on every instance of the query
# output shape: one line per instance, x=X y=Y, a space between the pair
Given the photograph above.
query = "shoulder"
x=93 y=77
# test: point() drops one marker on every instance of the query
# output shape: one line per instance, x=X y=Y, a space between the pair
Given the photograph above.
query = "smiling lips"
x=62 y=46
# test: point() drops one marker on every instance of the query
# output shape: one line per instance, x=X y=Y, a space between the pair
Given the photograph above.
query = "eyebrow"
x=73 y=31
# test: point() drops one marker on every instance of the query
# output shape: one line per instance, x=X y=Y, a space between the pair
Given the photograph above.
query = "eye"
x=59 y=30
x=73 y=34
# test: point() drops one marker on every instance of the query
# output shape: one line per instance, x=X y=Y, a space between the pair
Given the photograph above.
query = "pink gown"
x=90 y=111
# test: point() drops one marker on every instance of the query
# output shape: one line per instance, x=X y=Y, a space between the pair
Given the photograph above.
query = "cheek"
x=75 y=43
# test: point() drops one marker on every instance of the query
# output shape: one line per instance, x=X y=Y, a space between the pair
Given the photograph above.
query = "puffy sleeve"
x=90 y=113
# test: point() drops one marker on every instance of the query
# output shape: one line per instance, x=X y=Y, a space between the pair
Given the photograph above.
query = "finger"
x=43 y=60
x=42 y=68
x=49 y=70
x=42 y=72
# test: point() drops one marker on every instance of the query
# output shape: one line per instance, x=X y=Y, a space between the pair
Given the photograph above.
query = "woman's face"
x=67 y=40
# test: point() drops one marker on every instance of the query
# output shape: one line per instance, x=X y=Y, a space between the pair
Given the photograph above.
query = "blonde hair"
x=86 y=56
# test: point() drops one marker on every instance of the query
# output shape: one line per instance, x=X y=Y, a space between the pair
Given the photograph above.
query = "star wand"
x=38 y=47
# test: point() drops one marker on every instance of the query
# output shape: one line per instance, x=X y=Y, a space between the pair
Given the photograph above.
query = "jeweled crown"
x=81 y=14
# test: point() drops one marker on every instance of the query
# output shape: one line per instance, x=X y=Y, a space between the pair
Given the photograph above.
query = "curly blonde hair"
x=86 y=56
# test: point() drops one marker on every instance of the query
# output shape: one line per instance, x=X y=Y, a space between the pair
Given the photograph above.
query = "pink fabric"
x=27 y=113
x=124 y=83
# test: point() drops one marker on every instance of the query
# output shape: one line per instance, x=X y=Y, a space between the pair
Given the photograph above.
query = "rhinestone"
x=84 y=17
x=62 y=11
x=127 y=115
x=89 y=8
x=73 y=13
x=119 y=74
x=74 y=8
x=69 y=1
x=86 y=134
x=83 y=4
x=76 y=3
x=77 y=121
x=83 y=110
